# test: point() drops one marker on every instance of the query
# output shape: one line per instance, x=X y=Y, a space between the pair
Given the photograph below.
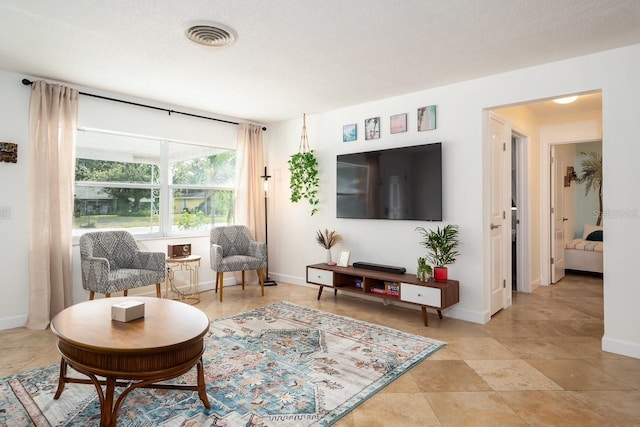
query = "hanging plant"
x=304 y=172
x=304 y=179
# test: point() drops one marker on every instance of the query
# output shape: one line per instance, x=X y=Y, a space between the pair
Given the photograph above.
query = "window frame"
x=164 y=187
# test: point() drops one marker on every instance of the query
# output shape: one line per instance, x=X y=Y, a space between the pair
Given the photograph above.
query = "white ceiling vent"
x=211 y=35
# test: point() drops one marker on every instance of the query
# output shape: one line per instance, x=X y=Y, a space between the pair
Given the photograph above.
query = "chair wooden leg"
x=107 y=295
x=91 y=295
x=243 y=280
x=217 y=277
x=261 y=278
x=126 y=292
x=158 y=293
x=221 y=279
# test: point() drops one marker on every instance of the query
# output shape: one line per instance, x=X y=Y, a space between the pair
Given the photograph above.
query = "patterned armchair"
x=112 y=262
x=234 y=249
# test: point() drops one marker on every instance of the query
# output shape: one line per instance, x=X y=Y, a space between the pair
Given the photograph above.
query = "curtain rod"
x=28 y=82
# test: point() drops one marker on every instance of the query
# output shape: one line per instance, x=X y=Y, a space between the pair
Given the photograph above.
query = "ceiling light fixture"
x=211 y=35
x=566 y=100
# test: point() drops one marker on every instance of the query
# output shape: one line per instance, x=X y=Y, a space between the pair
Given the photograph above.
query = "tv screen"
x=399 y=183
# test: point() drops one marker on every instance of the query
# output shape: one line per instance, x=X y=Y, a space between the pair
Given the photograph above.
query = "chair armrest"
x=95 y=269
x=145 y=260
x=215 y=254
x=258 y=250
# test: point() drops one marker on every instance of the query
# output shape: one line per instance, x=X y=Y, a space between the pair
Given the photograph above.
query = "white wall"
x=14 y=245
x=460 y=128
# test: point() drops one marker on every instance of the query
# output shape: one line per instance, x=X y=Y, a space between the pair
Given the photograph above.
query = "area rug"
x=279 y=365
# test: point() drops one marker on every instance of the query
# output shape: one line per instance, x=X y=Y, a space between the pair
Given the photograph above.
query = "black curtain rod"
x=28 y=82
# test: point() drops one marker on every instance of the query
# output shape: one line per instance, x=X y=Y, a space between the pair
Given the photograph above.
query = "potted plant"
x=424 y=270
x=327 y=240
x=441 y=245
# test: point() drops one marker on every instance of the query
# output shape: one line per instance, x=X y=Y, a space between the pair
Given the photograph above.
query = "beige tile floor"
x=537 y=363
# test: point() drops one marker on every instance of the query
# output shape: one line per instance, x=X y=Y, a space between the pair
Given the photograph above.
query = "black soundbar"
x=379 y=267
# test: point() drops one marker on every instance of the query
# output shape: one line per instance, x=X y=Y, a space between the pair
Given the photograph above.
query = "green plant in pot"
x=441 y=245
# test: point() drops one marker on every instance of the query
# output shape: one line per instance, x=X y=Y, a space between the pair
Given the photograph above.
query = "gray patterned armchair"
x=112 y=262
x=234 y=249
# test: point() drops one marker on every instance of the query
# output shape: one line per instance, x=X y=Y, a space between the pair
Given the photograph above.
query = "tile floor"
x=537 y=363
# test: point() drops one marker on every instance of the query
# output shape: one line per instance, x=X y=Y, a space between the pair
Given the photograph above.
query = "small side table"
x=190 y=264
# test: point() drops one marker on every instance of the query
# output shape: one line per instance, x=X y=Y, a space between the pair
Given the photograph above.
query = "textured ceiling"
x=295 y=56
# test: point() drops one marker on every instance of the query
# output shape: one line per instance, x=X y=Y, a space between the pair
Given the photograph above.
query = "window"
x=150 y=186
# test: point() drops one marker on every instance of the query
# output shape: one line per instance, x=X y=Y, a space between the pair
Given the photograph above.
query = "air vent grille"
x=211 y=35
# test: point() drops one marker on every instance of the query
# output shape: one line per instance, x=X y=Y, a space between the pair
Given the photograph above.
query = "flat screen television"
x=399 y=183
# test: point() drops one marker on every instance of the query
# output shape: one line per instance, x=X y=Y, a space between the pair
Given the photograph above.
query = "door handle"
x=493 y=226
x=565 y=219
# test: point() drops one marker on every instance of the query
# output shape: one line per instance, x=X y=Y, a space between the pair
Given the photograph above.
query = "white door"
x=557 y=216
x=500 y=135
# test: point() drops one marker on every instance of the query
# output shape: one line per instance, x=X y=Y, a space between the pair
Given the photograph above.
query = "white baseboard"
x=625 y=348
x=13 y=322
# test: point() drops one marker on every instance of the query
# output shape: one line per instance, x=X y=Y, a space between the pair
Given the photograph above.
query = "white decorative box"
x=127 y=311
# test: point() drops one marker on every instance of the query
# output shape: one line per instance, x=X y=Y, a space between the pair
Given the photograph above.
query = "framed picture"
x=349 y=133
x=426 y=118
x=398 y=123
x=344 y=259
x=8 y=152
x=372 y=128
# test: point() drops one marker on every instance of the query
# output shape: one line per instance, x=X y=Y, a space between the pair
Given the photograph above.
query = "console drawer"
x=320 y=277
x=422 y=295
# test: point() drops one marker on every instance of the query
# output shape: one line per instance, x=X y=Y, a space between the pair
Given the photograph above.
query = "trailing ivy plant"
x=304 y=178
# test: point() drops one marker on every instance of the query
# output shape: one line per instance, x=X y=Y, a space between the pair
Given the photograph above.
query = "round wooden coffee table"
x=165 y=344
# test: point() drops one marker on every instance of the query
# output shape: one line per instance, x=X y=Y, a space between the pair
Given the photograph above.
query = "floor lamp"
x=267 y=280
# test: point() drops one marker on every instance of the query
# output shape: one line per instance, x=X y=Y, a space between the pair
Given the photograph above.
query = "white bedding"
x=584 y=255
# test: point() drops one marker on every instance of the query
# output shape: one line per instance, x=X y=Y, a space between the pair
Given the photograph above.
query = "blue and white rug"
x=279 y=365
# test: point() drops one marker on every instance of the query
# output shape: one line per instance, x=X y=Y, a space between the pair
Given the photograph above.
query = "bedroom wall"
x=466 y=172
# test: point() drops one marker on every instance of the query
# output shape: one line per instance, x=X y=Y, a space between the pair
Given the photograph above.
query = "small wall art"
x=372 y=128
x=8 y=152
x=426 y=118
x=398 y=123
x=349 y=132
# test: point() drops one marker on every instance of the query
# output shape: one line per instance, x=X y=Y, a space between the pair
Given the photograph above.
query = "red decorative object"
x=440 y=274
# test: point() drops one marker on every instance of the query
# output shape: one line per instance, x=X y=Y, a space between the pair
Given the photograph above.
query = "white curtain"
x=249 y=207
x=52 y=128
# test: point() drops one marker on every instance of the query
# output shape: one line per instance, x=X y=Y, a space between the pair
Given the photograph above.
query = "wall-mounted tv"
x=399 y=183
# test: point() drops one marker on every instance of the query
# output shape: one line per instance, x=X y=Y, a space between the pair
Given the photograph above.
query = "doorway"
x=534 y=127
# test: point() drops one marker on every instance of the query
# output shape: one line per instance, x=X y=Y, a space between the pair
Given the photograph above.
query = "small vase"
x=327 y=256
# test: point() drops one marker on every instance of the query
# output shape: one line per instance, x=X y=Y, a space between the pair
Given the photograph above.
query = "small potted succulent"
x=424 y=270
x=441 y=245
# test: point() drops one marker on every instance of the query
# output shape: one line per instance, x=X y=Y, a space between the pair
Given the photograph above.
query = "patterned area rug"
x=279 y=365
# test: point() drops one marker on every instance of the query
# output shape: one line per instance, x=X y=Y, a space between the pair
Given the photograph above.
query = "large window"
x=151 y=186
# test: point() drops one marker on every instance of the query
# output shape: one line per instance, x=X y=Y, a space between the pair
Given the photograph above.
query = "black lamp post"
x=267 y=280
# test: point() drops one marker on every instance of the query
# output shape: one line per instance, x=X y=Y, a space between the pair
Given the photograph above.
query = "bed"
x=585 y=254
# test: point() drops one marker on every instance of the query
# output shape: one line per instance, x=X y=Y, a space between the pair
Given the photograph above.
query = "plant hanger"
x=304 y=138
